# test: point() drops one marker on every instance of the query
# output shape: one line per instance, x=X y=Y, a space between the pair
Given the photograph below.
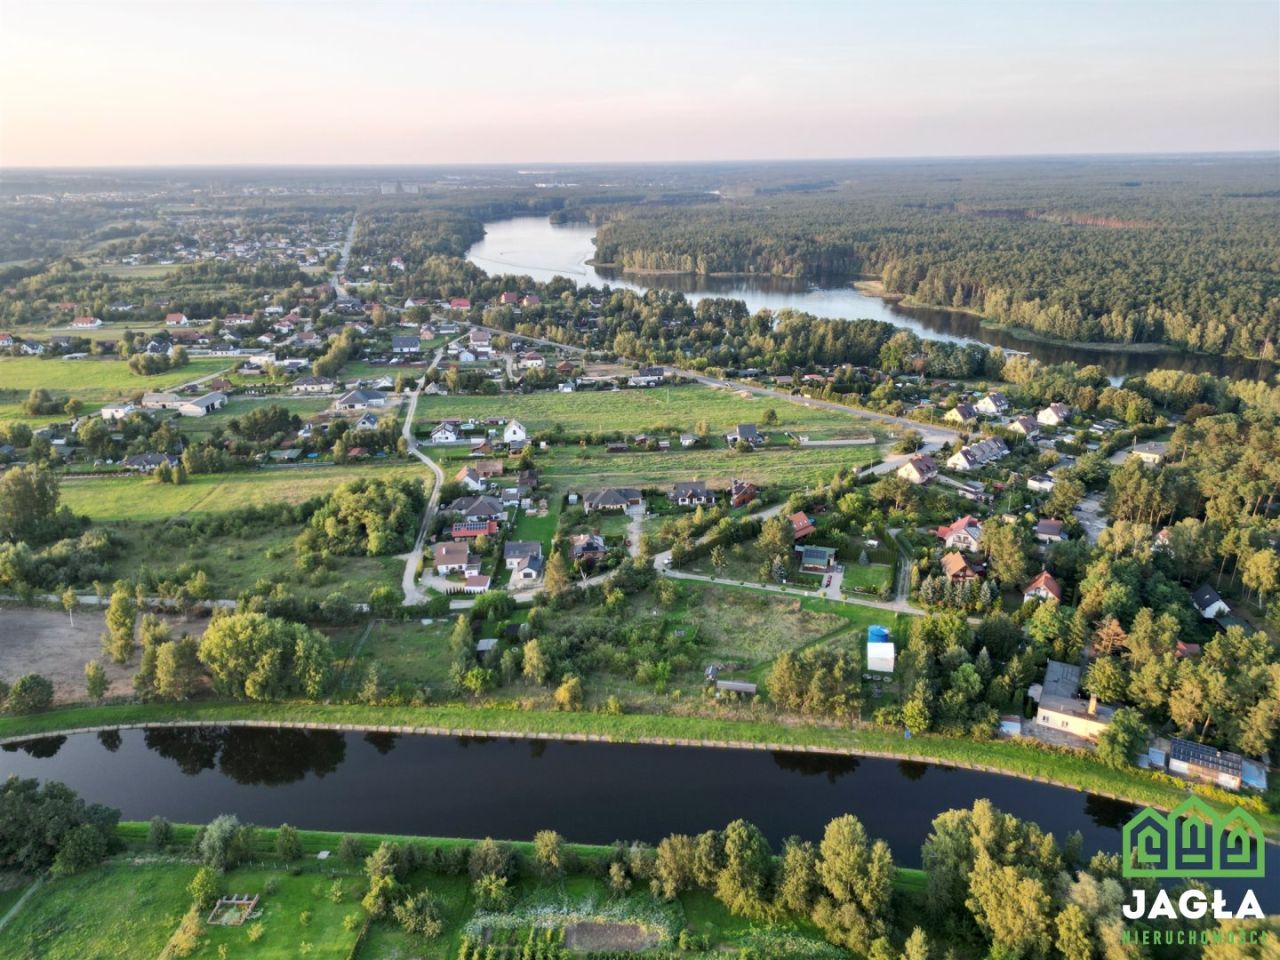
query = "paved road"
x=413 y=592
x=343 y=257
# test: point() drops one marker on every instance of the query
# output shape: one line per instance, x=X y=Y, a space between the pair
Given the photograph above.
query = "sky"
x=100 y=82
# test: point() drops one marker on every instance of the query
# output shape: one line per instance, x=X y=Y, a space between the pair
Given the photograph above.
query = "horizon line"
x=347 y=165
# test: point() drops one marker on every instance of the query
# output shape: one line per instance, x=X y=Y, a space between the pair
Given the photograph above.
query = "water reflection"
x=265 y=757
x=41 y=748
x=911 y=770
x=110 y=740
x=384 y=743
x=831 y=766
x=1105 y=812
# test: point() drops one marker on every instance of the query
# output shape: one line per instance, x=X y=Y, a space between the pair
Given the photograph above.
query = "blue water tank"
x=877 y=634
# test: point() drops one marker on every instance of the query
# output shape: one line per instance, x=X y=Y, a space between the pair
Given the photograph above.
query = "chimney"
x=1093 y=704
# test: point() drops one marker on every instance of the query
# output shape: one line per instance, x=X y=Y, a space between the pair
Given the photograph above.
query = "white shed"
x=880 y=656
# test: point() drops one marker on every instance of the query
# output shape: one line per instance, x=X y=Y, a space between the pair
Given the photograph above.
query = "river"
x=535 y=247
x=590 y=792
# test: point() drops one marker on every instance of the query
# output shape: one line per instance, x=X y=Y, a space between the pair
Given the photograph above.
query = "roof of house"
x=1209 y=758
x=966 y=524
x=1044 y=581
x=612 y=497
x=689 y=488
x=1205 y=597
x=1061 y=679
x=477 y=581
x=1049 y=528
x=516 y=549
x=922 y=463
x=475 y=506
x=954 y=563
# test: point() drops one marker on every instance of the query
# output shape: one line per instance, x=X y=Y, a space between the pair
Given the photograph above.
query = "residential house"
x=473 y=529
x=489 y=468
x=920 y=469
x=114 y=412
x=691 y=493
x=1151 y=454
x=530 y=300
x=956 y=568
x=801 y=525
x=508 y=299
x=360 y=399
x=1024 y=426
x=367 y=422
x=586 y=547
x=149 y=462
x=176 y=320
x=435 y=390
x=1041 y=483
x=961 y=413
x=816 y=559
x=1050 y=531
x=403 y=345
x=1043 y=587
x=480 y=340
x=532 y=360
x=565 y=368
x=993 y=405
x=516 y=551
x=514 y=432
x=1054 y=415
x=6 y=341
x=459 y=303
x=742 y=492
x=203 y=406
x=477 y=508
x=86 y=323
x=448 y=432
x=1208 y=603
x=977 y=455
x=612 y=499
x=470 y=479
x=964 y=534
x=744 y=433
x=237 y=319
x=312 y=385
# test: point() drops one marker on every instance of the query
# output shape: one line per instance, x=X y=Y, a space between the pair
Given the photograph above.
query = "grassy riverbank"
x=132 y=905
x=1069 y=769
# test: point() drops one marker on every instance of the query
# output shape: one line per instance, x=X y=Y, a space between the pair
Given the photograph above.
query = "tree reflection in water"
x=1106 y=812
x=912 y=770
x=42 y=748
x=110 y=740
x=384 y=743
x=258 y=756
x=831 y=765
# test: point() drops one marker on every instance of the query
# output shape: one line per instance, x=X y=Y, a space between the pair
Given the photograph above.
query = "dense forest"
x=1126 y=251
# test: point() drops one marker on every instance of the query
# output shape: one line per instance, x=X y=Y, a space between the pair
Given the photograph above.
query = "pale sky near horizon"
x=392 y=81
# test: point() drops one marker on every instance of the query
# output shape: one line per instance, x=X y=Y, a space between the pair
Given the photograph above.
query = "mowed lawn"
x=143 y=499
x=237 y=406
x=93 y=382
x=656 y=410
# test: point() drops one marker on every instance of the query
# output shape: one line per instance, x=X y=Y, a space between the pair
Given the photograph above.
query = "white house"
x=1054 y=415
x=445 y=433
x=1207 y=602
x=203 y=406
x=514 y=432
x=113 y=412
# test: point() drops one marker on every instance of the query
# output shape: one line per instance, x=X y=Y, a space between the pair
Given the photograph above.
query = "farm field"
x=91 y=381
x=657 y=410
x=138 y=498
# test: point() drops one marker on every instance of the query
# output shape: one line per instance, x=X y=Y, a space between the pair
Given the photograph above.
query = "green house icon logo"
x=1192 y=840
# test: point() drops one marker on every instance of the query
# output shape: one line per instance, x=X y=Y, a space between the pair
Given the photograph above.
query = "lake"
x=537 y=248
x=509 y=789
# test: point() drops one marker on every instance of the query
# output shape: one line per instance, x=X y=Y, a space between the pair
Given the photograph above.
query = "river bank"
x=1068 y=769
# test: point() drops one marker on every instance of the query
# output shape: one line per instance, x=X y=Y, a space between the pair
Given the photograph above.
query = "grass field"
x=109 y=913
x=572 y=468
x=91 y=381
x=406 y=653
x=872 y=578
x=660 y=410
x=238 y=406
x=287 y=933
x=137 y=498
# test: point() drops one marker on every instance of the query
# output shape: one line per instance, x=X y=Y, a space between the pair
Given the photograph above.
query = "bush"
x=420 y=914
x=159 y=833
x=225 y=842
x=31 y=694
